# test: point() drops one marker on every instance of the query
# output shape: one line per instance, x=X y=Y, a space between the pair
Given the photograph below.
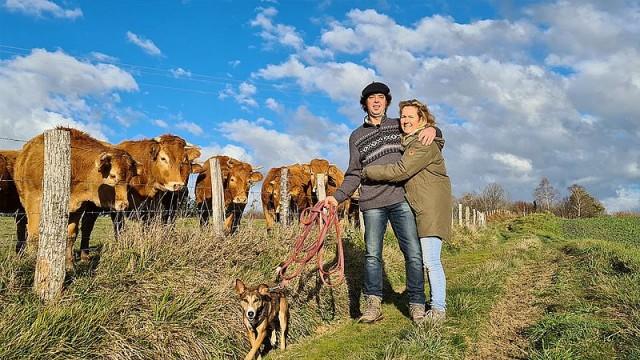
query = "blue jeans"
x=403 y=224
x=431 y=247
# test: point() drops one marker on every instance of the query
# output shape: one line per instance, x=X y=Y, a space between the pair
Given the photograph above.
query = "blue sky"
x=521 y=89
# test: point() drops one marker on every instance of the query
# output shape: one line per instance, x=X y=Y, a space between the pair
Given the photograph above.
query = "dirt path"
x=517 y=308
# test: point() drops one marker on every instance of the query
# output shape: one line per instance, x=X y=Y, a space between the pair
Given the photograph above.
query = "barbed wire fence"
x=182 y=204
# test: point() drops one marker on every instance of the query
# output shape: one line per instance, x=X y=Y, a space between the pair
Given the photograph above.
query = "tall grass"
x=158 y=292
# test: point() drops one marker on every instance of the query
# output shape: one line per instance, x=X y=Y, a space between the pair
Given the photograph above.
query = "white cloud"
x=98 y=56
x=46 y=89
x=40 y=8
x=626 y=199
x=367 y=30
x=263 y=121
x=234 y=151
x=145 y=44
x=276 y=33
x=180 y=73
x=191 y=127
x=243 y=96
x=285 y=35
x=160 y=123
x=273 y=105
x=513 y=162
x=234 y=63
x=339 y=80
x=578 y=30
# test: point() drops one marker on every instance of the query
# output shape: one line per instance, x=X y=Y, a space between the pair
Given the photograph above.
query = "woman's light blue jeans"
x=431 y=248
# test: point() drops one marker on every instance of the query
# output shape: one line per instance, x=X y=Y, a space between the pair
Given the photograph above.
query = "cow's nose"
x=175 y=186
x=240 y=199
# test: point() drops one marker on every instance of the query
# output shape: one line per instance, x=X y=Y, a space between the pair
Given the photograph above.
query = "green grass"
x=595 y=298
x=162 y=293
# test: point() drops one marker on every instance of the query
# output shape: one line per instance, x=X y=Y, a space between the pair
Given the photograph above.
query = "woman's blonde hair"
x=423 y=111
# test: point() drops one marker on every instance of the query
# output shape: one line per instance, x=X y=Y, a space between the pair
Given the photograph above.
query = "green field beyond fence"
x=536 y=287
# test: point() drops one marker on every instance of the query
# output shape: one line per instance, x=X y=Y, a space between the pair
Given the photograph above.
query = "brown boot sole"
x=367 y=321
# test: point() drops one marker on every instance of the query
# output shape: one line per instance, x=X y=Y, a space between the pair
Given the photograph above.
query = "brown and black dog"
x=264 y=311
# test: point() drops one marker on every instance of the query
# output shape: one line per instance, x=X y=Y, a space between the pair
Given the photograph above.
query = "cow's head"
x=117 y=168
x=318 y=166
x=172 y=162
x=238 y=177
x=299 y=183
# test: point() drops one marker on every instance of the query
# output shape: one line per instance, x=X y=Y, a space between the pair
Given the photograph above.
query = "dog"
x=264 y=311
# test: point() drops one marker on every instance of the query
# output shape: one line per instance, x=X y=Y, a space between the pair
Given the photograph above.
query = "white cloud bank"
x=40 y=8
x=46 y=89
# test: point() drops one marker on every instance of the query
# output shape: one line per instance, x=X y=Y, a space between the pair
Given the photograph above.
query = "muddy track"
x=518 y=308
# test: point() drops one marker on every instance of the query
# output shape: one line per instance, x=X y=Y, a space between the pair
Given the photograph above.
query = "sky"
x=521 y=89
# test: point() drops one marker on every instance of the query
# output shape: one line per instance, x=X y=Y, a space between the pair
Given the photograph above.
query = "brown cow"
x=237 y=179
x=166 y=161
x=333 y=179
x=9 y=198
x=298 y=186
x=100 y=175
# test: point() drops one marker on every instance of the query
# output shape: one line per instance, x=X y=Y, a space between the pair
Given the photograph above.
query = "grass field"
x=537 y=287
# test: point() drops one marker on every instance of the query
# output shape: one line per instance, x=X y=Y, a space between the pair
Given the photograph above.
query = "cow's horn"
x=258 y=167
x=157 y=139
x=190 y=145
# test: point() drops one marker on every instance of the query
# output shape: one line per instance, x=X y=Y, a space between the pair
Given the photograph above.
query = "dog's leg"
x=258 y=341
x=273 y=338
x=283 y=318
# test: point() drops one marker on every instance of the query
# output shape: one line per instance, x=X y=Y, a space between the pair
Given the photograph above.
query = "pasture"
x=536 y=287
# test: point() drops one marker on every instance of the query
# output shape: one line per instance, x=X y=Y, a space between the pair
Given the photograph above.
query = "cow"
x=237 y=179
x=100 y=175
x=333 y=179
x=166 y=161
x=9 y=198
x=298 y=187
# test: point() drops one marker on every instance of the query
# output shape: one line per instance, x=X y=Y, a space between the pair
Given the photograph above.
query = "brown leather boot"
x=373 y=312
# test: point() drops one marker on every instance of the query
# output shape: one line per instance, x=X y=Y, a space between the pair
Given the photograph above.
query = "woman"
x=428 y=191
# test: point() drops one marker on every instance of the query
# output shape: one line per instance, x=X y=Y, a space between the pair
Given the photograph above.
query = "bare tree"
x=545 y=194
x=493 y=197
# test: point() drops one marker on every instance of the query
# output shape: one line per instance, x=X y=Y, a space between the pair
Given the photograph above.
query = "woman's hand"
x=427 y=135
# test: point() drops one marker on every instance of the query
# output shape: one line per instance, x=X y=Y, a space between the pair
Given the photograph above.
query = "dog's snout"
x=250 y=314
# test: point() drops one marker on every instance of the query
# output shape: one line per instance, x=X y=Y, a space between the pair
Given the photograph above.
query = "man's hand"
x=330 y=201
x=427 y=135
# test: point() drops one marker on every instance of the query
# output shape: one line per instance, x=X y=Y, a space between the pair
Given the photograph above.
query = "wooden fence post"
x=475 y=217
x=467 y=216
x=459 y=214
x=320 y=192
x=54 y=215
x=217 y=197
x=284 y=196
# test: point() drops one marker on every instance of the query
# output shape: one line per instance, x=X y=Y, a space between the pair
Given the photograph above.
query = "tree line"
x=577 y=203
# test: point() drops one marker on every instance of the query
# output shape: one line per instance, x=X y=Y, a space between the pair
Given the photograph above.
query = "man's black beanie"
x=375 y=88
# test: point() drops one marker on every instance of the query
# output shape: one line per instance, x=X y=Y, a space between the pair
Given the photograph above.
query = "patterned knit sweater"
x=374 y=145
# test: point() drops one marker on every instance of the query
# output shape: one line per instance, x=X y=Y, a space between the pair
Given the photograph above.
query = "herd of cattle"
x=146 y=179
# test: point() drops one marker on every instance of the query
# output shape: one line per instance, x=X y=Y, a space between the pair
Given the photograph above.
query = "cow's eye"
x=163 y=158
x=111 y=176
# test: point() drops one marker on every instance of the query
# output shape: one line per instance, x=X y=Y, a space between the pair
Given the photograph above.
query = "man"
x=377 y=141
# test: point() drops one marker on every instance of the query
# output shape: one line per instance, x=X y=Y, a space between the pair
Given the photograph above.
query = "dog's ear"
x=239 y=286
x=263 y=290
